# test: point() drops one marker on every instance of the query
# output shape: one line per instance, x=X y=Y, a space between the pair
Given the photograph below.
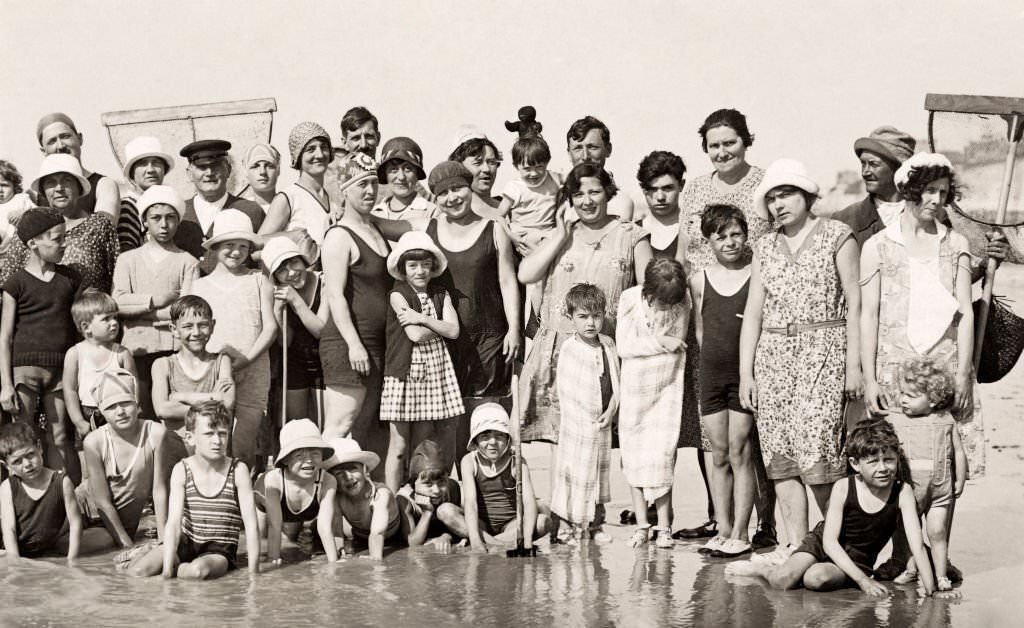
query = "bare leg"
x=793 y=498
x=205 y=567
x=341 y=407
x=717 y=427
x=764 y=496
x=149 y=564
x=935 y=520
x=740 y=425
x=394 y=466
x=824 y=577
x=63 y=438
x=821 y=493
x=453 y=518
x=788 y=575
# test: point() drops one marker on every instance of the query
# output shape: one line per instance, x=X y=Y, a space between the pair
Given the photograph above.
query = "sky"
x=810 y=76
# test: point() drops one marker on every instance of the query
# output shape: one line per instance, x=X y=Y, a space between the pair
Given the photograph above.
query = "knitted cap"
x=889 y=143
x=36 y=221
x=114 y=386
x=447 y=175
x=355 y=167
x=51 y=118
x=304 y=133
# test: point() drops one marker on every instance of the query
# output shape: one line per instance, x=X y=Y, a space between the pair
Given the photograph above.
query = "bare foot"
x=748 y=568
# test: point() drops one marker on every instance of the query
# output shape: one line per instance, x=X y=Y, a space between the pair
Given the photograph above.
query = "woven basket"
x=1003 y=341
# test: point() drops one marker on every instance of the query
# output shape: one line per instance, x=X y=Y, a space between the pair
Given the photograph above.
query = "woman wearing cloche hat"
x=800 y=340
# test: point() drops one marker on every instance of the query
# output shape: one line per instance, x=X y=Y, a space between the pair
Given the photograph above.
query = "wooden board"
x=964 y=103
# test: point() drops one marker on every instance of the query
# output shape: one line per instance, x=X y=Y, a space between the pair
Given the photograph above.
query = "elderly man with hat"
x=145 y=165
x=208 y=170
x=401 y=168
x=57 y=134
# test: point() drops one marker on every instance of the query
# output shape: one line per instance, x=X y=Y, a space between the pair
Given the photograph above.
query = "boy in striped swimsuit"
x=211 y=501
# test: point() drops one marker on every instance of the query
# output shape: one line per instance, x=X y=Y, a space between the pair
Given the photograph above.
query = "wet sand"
x=610 y=585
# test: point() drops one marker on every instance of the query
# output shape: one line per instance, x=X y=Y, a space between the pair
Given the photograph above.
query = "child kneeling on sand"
x=370 y=508
x=861 y=518
x=431 y=501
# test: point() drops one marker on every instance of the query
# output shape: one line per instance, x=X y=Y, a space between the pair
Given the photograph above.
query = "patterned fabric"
x=702 y=192
x=92 y=250
x=129 y=226
x=608 y=264
x=893 y=345
x=216 y=519
x=431 y=390
x=651 y=388
x=801 y=379
x=583 y=453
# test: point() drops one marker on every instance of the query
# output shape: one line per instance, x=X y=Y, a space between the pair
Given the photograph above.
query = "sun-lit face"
x=484 y=168
x=123 y=415
x=304 y=463
x=914 y=402
x=315 y=156
x=933 y=199
x=364 y=139
x=193 y=330
x=233 y=254
x=877 y=470
x=587 y=324
x=532 y=174
x=50 y=246
x=291 y=273
x=435 y=491
x=591 y=149
x=491 y=444
x=662 y=195
x=210 y=175
x=590 y=201
x=62 y=190
x=361 y=196
x=262 y=176
x=58 y=137
x=725 y=149
x=727 y=244
x=25 y=462
x=787 y=205
x=418 y=272
x=162 y=222
x=351 y=477
x=877 y=174
x=149 y=171
x=103 y=327
x=402 y=177
x=209 y=441
x=456 y=202
x=6 y=190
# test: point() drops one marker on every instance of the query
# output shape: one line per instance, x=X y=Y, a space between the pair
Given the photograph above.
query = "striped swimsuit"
x=210 y=525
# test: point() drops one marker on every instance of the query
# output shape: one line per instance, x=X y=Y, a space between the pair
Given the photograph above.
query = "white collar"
x=894 y=231
x=218 y=204
x=418 y=203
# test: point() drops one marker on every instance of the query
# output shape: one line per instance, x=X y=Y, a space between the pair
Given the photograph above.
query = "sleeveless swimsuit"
x=210 y=525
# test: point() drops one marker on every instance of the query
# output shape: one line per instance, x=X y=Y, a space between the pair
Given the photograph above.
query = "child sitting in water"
x=370 y=509
x=489 y=492
x=588 y=392
x=211 y=502
x=861 y=517
x=936 y=455
x=38 y=511
x=529 y=202
x=124 y=460
x=191 y=376
x=431 y=500
x=298 y=479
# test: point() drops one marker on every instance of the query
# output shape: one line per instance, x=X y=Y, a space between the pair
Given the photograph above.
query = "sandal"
x=764 y=537
x=706 y=530
x=906 y=577
x=640 y=536
x=713 y=545
x=732 y=548
x=663 y=540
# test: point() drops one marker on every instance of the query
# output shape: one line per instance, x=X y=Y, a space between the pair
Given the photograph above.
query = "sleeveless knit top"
x=312 y=509
x=399 y=347
x=214 y=519
x=367 y=295
x=182 y=382
x=89 y=375
x=471 y=280
x=40 y=522
x=496 y=496
x=87 y=202
x=722 y=318
x=864 y=534
x=307 y=212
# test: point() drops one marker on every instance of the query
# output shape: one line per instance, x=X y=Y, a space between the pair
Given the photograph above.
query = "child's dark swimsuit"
x=393 y=525
x=720 y=364
x=863 y=534
x=210 y=525
x=40 y=522
x=495 y=498
x=309 y=513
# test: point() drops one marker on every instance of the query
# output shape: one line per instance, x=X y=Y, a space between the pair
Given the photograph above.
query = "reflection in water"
x=589 y=585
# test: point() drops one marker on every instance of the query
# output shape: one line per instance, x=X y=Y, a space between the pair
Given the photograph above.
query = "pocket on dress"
x=417 y=372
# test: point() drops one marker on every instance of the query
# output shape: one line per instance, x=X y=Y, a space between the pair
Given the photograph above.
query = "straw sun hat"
x=301 y=434
x=231 y=224
x=348 y=450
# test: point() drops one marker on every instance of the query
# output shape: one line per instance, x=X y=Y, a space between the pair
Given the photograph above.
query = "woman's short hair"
x=585 y=171
x=585 y=297
x=473 y=148
x=660 y=163
x=664 y=281
x=925 y=374
x=719 y=216
x=725 y=117
x=919 y=178
x=90 y=303
x=9 y=173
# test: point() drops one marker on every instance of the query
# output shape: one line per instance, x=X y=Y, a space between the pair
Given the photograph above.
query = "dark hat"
x=402 y=149
x=38 y=220
x=447 y=175
x=205 y=149
x=889 y=143
x=427 y=456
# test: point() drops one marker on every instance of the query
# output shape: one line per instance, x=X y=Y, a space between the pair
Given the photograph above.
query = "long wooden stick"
x=517 y=442
x=284 y=365
x=1014 y=133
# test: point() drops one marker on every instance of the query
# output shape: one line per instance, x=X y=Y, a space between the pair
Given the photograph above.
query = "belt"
x=792 y=329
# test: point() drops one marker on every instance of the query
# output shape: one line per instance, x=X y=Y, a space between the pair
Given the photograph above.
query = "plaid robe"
x=582 y=458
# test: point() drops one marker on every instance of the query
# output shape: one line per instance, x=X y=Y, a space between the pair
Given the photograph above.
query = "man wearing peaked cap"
x=208 y=170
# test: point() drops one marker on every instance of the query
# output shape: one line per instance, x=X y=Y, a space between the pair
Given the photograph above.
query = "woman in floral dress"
x=799 y=344
x=597 y=249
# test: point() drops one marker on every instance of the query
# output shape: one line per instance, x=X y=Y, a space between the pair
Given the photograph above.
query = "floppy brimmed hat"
x=348 y=450
x=410 y=241
x=301 y=434
x=60 y=162
x=161 y=195
x=140 y=148
x=782 y=172
x=231 y=224
x=889 y=143
x=279 y=250
x=488 y=416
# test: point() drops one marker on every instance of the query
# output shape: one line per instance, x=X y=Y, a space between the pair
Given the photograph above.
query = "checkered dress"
x=430 y=391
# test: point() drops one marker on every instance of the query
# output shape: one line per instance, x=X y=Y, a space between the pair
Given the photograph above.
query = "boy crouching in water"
x=861 y=518
x=211 y=502
x=431 y=501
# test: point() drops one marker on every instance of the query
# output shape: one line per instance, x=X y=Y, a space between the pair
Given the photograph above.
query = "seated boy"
x=122 y=460
x=862 y=515
x=39 y=514
x=431 y=500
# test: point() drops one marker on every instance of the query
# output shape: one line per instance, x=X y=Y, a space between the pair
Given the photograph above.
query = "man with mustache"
x=208 y=170
x=57 y=133
x=589 y=141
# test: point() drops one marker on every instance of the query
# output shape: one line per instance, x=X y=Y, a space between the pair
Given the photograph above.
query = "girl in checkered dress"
x=420 y=388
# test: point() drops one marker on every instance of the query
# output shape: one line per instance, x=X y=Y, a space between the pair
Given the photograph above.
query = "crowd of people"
x=156 y=351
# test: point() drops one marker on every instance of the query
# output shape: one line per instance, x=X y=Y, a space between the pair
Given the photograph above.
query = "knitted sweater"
x=43 y=328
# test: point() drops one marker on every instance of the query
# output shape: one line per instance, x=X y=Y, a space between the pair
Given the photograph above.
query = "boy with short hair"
x=148 y=279
x=861 y=518
x=38 y=511
x=95 y=316
x=36 y=330
x=211 y=502
x=191 y=376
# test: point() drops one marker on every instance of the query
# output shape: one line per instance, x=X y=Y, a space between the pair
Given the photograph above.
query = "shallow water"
x=589 y=585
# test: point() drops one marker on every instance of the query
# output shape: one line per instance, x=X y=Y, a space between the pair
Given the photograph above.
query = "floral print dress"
x=801 y=378
x=608 y=264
